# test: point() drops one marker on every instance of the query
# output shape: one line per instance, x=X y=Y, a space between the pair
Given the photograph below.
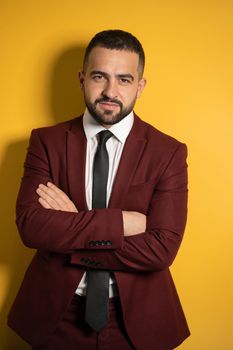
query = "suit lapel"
x=131 y=156
x=76 y=162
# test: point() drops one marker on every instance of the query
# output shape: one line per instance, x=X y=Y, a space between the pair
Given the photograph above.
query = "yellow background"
x=189 y=51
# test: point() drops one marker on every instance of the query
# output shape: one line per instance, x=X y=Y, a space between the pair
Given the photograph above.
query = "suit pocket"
x=142 y=186
x=139 y=196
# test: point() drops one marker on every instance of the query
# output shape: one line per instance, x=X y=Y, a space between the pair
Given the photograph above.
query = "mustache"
x=111 y=100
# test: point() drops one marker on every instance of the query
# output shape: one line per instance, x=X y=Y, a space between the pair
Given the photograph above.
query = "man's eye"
x=125 y=81
x=98 y=77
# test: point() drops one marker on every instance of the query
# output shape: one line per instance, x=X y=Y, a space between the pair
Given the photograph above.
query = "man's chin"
x=108 y=118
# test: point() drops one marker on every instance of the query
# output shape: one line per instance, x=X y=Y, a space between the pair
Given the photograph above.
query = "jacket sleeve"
x=156 y=248
x=53 y=230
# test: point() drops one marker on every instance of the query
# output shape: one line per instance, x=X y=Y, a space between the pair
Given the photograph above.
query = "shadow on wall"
x=64 y=102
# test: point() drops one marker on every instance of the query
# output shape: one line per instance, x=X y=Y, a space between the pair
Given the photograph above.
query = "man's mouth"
x=108 y=105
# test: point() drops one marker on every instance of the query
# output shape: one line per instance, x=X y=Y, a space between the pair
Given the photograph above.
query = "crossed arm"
x=51 y=197
x=139 y=242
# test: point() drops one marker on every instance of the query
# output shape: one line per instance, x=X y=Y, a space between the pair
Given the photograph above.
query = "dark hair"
x=115 y=39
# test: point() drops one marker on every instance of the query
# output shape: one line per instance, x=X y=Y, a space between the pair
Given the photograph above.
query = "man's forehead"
x=101 y=57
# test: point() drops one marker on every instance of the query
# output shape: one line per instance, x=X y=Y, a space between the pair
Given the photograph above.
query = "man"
x=104 y=201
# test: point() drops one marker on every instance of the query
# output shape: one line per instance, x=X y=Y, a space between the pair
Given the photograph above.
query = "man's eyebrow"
x=123 y=75
x=98 y=72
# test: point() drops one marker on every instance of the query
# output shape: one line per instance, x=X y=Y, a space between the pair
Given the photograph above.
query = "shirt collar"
x=120 y=130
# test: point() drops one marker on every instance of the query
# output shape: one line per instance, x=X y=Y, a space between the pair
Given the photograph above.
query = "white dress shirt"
x=114 y=147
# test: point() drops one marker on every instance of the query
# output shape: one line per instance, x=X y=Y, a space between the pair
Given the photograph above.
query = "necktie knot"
x=104 y=136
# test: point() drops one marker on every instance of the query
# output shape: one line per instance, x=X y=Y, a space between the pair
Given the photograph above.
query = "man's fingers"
x=48 y=192
x=58 y=191
x=54 y=192
x=47 y=196
x=55 y=198
x=44 y=203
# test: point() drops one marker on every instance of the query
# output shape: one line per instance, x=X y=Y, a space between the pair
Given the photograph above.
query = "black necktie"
x=96 y=313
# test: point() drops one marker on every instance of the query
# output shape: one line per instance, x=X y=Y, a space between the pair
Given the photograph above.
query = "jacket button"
x=109 y=243
x=103 y=242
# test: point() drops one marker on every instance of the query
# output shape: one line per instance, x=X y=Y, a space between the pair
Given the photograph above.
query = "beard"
x=109 y=117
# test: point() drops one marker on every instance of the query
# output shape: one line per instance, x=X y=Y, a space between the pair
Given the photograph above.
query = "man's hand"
x=134 y=223
x=51 y=197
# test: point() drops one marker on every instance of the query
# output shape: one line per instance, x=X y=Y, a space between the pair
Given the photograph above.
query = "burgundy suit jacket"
x=151 y=179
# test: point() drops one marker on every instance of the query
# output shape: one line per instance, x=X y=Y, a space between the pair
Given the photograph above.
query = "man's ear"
x=141 y=86
x=81 y=77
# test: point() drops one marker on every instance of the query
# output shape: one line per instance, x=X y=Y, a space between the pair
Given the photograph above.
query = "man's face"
x=111 y=84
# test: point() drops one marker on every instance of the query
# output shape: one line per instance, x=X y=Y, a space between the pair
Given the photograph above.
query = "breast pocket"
x=139 y=196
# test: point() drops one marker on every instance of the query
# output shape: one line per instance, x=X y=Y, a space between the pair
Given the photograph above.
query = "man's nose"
x=110 y=89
